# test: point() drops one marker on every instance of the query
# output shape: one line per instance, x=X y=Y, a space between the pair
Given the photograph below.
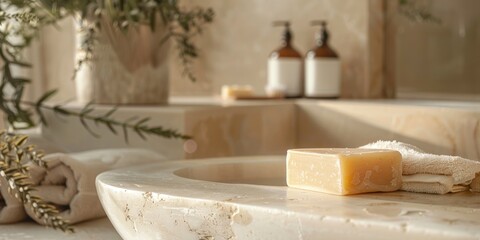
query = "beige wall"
x=234 y=49
x=437 y=59
x=53 y=61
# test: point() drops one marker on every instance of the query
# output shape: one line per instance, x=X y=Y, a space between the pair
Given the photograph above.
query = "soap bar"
x=344 y=171
x=235 y=91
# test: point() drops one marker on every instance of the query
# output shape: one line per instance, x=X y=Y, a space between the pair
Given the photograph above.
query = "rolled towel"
x=418 y=168
x=11 y=208
x=69 y=181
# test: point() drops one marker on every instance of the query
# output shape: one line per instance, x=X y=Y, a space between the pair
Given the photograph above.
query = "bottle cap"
x=287 y=34
x=322 y=36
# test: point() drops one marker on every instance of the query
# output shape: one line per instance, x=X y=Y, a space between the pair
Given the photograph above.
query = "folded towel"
x=11 y=208
x=475 y=185
x=415 y=161
x=429 y=183
x=69 y=181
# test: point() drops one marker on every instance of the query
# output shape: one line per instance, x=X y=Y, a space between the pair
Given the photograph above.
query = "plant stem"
x=15 y=154
x=138 y=126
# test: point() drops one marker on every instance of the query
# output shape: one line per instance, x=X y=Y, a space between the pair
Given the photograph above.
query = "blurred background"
x=396 y=48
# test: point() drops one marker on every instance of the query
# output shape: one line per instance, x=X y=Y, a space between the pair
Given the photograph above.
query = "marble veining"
x=210 y=199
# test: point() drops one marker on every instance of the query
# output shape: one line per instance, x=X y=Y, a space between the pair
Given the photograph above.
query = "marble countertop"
x=246 y=198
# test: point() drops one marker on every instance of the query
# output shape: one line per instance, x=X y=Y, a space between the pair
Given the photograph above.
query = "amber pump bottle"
x=285 y=67
x=322 y=67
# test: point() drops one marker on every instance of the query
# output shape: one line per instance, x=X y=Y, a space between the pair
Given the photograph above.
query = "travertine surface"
x=210 y=199
x=218 y=128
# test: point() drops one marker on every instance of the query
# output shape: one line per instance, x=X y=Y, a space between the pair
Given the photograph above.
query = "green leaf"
x=139 y=133
x=142 y=121
x=112 y=129
x=46 y=96
x=109 y=113
x=125 y=132
x=22 y=80
x=153 y=20
x=85 y=125
x=59 y=109
x=40 y=102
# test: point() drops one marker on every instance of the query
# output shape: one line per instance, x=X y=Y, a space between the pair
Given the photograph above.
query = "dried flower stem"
x=15 y=154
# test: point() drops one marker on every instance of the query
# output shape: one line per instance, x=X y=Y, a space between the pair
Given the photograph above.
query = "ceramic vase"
x=127 y=67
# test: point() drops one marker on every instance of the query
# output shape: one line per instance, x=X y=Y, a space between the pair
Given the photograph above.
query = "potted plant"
x=125 y=42
x=108 y=27
x=127 y=46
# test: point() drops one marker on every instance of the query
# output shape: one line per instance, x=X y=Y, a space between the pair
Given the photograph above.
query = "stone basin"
x=247 y=198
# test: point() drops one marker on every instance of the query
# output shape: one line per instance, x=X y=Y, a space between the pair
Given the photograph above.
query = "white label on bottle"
x=285 y=73
x=322 y=77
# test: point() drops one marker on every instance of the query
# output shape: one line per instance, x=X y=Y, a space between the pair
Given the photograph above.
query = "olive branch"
x=139 y=125
x=87 y=114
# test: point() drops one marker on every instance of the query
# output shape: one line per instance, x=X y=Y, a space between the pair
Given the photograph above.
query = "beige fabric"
x=11 y=209
x=475 y=185
x=415 y=161
x=70 y=179
x=428 y=183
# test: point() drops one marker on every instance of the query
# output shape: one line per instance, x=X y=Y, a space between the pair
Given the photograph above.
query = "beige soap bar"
x=344 y=171
x=235 y=91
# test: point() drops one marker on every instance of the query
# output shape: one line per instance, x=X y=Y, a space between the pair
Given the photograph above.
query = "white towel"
x=11 y=208
x=69 y=181
x=415 y=161
x=430 y=183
